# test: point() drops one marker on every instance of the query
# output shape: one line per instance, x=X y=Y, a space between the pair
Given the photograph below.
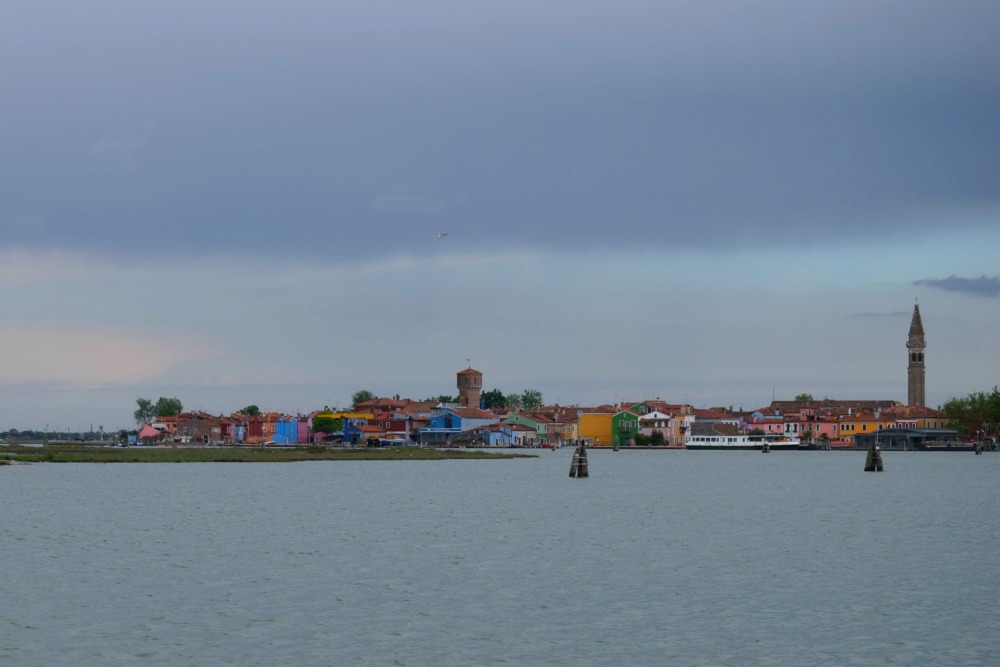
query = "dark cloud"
x=187 y=128
x=982 y=286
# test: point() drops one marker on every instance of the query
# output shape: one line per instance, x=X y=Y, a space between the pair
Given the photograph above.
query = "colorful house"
x=861 y=424
x=656 y=422
x=508 y=435
x=448 y=423
x=918 y=416
x=625 y=424
x=771 y=424
x=397 y=425
x=494 y=436
x=595 y=425
x=305 y=433
x=286 y=431
x=537 y=423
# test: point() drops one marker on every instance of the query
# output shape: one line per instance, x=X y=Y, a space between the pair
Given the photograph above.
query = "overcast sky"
x=706 y=202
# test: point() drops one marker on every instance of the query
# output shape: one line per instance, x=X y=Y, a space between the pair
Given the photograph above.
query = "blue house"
x=352 y=429
x=508 y=435
x=494 y=436
x=448 y=423
x=286 y=431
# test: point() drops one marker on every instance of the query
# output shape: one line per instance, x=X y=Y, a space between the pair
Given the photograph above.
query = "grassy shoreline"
x=81 y=454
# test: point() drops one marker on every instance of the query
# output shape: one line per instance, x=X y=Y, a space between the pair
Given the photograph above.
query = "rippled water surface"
x=659 y=558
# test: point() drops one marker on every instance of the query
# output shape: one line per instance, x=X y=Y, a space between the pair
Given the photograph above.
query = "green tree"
x=804 y=398
x=251 y=410
x=531 y=399
x=361 y=396
x=443 y=398
x=494 y=399
x=977 y=411
x=323 y=424
x=168 y=407
x=144 y=413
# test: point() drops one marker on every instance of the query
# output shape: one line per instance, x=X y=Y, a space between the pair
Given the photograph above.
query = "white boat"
x=774 y=442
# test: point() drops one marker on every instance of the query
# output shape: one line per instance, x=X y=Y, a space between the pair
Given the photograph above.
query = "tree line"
x=494 y=399
x=977 y=413
x=147 y=411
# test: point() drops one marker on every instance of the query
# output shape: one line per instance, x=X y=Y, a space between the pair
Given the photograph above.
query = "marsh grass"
x=166 y=454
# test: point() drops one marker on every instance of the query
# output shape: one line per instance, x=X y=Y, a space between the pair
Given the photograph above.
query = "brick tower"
x=915 y=344
x=470 y=386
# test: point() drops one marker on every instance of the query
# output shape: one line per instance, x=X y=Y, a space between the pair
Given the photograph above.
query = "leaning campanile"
x=915 y=369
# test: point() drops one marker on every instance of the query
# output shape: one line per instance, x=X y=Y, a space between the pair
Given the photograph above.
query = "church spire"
x=916 y=326
x=915 y=345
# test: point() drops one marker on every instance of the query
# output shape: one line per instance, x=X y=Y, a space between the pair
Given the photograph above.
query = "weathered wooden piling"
x=765 y=448
x=579 y=466
x=979 y=448
x=873 y=462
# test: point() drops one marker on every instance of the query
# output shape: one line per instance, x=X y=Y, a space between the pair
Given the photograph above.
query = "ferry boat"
x=774 y=442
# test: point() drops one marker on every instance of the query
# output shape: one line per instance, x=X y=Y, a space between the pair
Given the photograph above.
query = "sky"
x=712 y=203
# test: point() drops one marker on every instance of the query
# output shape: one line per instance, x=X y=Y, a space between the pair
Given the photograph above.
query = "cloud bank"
x=326 y=131
x=985 y=286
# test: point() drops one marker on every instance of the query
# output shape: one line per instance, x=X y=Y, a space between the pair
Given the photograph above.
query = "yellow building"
x=595 y=425
x=859 y=424
x=920 y=417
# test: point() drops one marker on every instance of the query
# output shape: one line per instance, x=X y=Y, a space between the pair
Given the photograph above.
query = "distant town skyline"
x=463 y=386
x=711 y=203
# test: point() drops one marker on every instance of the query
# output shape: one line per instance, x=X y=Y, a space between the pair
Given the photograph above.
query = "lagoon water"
x=659 y=558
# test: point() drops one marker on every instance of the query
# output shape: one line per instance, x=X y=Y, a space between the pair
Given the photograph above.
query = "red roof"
x=473 y=413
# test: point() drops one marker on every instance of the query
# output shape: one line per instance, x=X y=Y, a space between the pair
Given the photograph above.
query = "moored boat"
x=750 y=442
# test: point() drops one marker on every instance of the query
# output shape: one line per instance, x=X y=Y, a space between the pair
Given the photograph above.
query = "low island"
x=67 y=453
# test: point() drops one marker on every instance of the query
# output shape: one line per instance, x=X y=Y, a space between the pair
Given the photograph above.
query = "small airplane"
x=441 y=235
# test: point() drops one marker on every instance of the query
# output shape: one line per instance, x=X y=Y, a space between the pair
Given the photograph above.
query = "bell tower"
x=915 y=345
x=470 y=386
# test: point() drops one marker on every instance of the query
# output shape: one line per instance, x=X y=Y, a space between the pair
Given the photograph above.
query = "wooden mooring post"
x=579 y=466
x=873 y=462
x=979 y=447
x=765 y=448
